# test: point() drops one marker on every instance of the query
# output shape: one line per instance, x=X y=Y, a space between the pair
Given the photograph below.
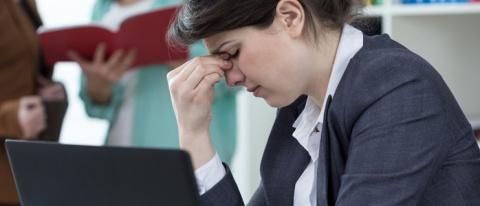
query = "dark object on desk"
x=55 y=114
x=57 y=175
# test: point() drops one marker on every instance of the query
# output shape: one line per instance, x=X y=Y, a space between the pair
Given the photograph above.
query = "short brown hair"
x=198 y=19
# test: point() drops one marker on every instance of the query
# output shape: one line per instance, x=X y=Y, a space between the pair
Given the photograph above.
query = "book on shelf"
x=434 y=1
x=145 y=32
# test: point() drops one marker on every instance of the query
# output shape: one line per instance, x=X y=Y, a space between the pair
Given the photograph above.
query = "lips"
x=252 y=89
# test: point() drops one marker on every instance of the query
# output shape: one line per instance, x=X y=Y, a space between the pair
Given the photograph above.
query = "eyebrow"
x=217 y=51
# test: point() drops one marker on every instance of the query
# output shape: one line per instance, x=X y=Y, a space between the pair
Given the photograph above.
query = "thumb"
x=43 y=82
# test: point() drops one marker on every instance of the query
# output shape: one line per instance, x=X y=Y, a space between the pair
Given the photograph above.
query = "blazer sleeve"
x=398 y=142
x=258 y=198
x=223 y=193
x=9 y=126
x=226 y=192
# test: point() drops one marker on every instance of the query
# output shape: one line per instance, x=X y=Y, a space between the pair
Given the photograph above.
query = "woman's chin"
x=278 y=102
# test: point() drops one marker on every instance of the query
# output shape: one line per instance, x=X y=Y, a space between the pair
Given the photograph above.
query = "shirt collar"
x=351 y=41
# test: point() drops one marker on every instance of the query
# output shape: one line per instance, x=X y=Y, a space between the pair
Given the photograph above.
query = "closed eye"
x=234 y=55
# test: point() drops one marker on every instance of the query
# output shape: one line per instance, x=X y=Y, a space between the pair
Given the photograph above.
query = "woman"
x=137 y=102
x=25 y=92
x=361 y=119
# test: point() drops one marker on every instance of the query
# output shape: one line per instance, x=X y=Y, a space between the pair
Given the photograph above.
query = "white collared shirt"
x=308 y=127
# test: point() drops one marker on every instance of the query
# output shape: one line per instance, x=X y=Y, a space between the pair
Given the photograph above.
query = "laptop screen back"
x=54 y=174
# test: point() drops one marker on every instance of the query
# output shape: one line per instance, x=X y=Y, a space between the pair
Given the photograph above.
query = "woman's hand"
x=191 y=88
x=102 y=74
x=31 y=117
x=50 y=91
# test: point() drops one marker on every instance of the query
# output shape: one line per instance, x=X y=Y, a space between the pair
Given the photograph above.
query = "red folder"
x=145 y=32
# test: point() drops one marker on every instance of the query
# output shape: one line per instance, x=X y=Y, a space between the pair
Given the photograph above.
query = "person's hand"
x=102 y=74
x=31 y=117
x=50 y=91
x=192 y=88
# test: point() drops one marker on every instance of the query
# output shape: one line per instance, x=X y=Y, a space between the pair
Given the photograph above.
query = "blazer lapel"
x=284 y=160
x=323 y=159
x=332 y=159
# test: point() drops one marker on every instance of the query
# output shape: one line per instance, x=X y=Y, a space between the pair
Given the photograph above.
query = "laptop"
x=56 y=174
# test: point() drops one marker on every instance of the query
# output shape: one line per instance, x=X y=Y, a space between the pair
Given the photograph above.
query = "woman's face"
x=268 y=62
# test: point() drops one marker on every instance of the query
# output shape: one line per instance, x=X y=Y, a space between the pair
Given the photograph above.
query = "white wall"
x=255 y=120
x=451 y=44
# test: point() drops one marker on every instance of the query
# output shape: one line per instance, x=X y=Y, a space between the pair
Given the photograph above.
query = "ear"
x=291 y=15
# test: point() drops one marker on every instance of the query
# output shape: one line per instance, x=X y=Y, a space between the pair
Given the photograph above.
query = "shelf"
x=435 y=9
x=423 y=9
x=374 y=10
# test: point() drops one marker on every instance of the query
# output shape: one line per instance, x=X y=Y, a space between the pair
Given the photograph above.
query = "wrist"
x=199 y=146
x=99 y=93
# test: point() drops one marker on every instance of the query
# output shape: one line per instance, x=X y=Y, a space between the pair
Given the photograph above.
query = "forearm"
x=100 y=94
x=226 y=192
x=198 y=145
x=106 y=111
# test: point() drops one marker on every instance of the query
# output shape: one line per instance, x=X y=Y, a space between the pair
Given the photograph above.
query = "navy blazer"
x=392 y=135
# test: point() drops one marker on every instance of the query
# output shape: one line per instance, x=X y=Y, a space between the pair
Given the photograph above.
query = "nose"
x=234 y=76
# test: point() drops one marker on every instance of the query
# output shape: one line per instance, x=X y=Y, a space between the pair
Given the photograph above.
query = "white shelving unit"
x=435 y=9
x=448 y=36
x=389 y=8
